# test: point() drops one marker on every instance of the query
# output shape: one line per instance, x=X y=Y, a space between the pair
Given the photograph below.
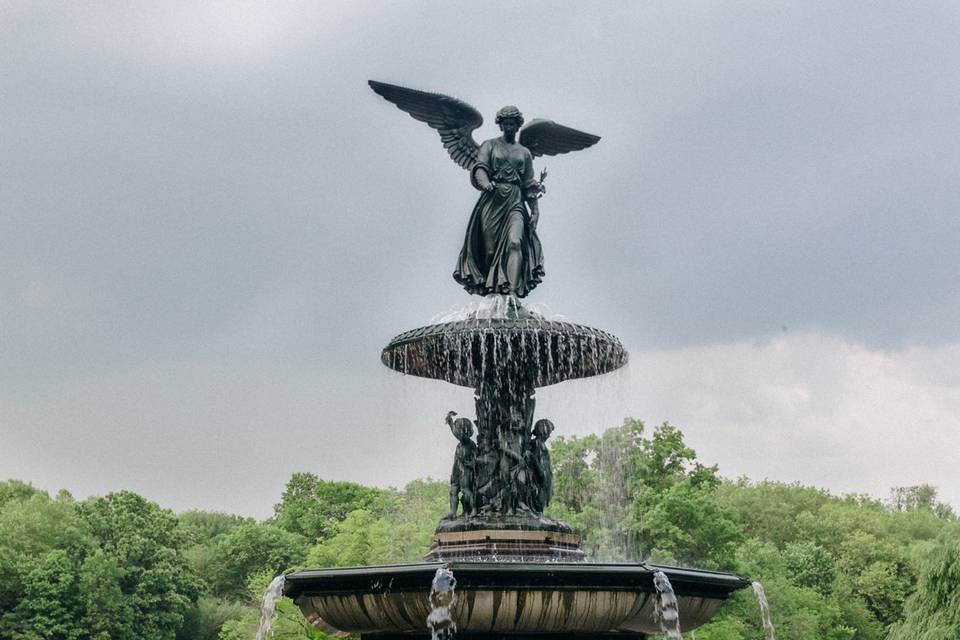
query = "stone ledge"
x=500 y=535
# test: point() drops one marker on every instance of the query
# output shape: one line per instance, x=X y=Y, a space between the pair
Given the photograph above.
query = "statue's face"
x=463 y=428
x=510 y=126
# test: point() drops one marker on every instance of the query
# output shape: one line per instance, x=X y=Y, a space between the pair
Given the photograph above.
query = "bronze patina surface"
x=503 y=480
x=560 y=599
x=501 y=251
x=534 y=352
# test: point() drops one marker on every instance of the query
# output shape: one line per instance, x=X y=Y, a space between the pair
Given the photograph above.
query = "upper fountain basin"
x=532 y=351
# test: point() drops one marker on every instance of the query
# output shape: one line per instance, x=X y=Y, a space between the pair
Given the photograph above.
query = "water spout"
x=764 y=610
x=442 y=598
x=268 y=606
x=665 y=611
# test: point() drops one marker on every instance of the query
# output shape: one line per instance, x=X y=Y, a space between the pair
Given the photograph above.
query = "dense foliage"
x=835 y=568
x=109 y=568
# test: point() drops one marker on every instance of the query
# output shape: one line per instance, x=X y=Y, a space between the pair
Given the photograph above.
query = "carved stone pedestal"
x=506 y=539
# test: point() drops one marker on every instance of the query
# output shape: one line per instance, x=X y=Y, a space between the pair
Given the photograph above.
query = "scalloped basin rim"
x=512 y=576
x=556 y=600
x=548 y=351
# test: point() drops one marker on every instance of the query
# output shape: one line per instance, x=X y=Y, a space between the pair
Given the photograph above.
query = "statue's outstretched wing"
x=547 y=138
x=453 y=119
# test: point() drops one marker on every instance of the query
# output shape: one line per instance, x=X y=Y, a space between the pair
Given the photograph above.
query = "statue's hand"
x=483 y=180
x=534 y=213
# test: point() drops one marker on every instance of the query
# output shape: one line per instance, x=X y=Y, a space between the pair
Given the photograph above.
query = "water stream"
x=764 y=610
x=268 y=606
x=442 y=597
x=665 y=611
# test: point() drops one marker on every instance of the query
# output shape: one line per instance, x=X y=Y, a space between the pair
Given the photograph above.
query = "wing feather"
x=547 y=138
x=453 y=119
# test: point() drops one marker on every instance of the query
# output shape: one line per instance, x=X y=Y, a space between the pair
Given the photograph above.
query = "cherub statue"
x=501 y=252
x=541 y=488
x=462 y=477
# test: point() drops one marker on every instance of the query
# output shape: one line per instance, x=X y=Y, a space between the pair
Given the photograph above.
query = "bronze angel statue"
x=501 y=251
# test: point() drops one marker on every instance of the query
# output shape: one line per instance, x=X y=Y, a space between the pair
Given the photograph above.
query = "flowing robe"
x=501 y=251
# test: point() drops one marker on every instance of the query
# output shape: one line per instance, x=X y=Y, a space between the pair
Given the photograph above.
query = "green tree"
x=249 y=549
x=852 y=551
x=922 y=496
x=108 y=614
x=769 y=510
x=685 y=524
x=15 y=490
x=809 y=565
x=49 y=602
x=42 y=545
x=397 y=528
x=311 y=507
x=145 y=544
x=105 y=569
x=363 y=538
x=933 y=611
x=205 y=620
x=201 y=527
x=636 y=497
x=798 y=612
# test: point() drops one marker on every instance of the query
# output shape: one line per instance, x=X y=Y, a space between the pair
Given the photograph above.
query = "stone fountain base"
x=498 y=599
x=517 y=573
x=521 y=538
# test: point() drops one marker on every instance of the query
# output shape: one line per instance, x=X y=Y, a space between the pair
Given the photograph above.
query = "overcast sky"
x=210 y=226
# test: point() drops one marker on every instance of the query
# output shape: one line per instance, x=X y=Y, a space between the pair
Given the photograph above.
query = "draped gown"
x=501 y=251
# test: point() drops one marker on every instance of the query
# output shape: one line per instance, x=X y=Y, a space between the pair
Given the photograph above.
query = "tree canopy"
x=106 y=568
x=120 y=567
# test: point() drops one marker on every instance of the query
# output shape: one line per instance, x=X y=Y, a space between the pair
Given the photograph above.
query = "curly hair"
x=509 y=112
x=543 y=428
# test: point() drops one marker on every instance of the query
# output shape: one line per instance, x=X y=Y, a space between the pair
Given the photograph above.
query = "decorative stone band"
x=533 y=351
x=500 y=535
x=507 y=545
x=563 y=600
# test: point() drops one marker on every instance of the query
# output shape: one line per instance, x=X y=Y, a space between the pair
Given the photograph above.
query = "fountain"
x=268 y=606
x=764 y=611
x=516 y=572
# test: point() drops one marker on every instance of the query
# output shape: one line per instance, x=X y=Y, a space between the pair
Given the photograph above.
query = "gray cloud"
x=208 y=196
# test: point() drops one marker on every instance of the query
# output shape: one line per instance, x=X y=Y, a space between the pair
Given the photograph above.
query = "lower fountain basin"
x=506 y=598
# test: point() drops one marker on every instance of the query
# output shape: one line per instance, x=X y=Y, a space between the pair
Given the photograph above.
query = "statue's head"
x=462 y=428
x=510 y=116
x=542 y=429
